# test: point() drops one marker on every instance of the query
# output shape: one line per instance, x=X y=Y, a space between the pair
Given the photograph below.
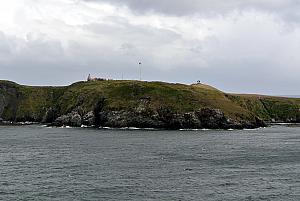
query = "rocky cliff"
x=141 y=104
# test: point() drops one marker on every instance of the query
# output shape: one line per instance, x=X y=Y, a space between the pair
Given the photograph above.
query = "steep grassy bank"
x=26 y=103
x=141 y=104
x=268 y=108
x=129 y=94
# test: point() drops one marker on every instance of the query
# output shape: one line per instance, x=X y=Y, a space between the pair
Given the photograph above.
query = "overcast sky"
x=249 y=46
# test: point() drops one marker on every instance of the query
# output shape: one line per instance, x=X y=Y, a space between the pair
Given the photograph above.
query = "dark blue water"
x=40 y=163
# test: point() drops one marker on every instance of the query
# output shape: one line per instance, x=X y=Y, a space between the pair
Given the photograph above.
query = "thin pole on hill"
x=140 y=68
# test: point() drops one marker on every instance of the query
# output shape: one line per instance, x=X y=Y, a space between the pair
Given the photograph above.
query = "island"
x=141 y=104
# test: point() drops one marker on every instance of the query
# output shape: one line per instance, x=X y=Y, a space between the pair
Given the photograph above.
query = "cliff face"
x=270 y=109
x=24 y=103
x=8 y=97
x=141 y=104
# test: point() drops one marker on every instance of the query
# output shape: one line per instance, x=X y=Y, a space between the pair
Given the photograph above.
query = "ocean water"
x=39 y=163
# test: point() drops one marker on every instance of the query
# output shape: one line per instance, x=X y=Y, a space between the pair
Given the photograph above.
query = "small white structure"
x=90 y=78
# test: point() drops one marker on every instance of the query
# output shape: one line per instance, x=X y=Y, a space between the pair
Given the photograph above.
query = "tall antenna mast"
x=140 y=68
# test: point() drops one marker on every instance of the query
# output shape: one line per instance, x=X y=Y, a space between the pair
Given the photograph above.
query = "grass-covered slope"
x=26 y=103
x=268 y=108
x=127 y=95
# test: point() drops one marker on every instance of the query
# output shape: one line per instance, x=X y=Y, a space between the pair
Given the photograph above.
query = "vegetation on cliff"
x=269 y=108
x=156 y=104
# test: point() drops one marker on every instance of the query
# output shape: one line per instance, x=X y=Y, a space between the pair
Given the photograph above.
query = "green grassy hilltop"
x=28 y=103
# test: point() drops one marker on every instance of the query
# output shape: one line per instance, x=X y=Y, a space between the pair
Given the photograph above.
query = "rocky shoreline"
x=120 y=119
x=205 y=118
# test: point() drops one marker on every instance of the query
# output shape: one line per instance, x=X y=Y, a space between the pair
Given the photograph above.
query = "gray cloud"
x=238 y=46
x=288 y=8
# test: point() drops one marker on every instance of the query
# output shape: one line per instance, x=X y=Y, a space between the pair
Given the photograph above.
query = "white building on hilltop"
x=90 y=78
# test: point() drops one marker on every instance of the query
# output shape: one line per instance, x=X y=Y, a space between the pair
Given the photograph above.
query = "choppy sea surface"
x=39 y=163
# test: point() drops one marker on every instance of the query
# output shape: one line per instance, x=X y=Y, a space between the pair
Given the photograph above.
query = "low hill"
x=130 y=103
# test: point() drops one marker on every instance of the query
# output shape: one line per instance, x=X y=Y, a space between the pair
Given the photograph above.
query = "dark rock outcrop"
x=212 y=118
x=163 y=118
x=89 y=119
x=2 y=104
x=70 y=119
x=49 y=116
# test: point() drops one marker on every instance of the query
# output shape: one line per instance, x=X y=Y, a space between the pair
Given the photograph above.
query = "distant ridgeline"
x=112 y=103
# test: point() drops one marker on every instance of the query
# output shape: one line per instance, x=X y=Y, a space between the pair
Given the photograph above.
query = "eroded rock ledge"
x=164 y=118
